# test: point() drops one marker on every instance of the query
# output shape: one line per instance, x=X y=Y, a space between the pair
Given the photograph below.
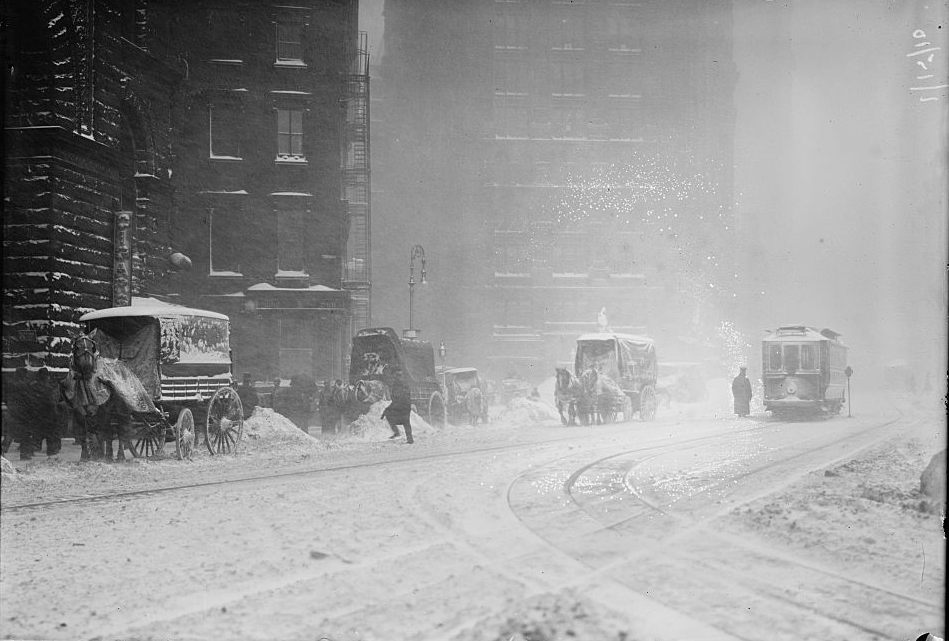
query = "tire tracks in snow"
x=602 y=541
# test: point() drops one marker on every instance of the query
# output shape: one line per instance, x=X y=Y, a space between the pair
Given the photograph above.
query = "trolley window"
x=792 y=358
x=774 y=357
x=808 y=357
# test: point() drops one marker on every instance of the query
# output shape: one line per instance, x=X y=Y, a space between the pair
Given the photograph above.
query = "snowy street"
x=689 y=527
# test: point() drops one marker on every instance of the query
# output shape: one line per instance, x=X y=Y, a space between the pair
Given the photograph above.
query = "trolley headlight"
x=792 y=388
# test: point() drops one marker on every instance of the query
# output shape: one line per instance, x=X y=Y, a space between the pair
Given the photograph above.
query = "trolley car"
x=803 y=371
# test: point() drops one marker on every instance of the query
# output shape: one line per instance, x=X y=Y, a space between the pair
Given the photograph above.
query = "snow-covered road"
x=630 y=531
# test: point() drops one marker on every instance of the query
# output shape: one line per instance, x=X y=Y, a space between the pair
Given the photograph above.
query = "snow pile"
x=266 y=426
x=372 y=427
x=866 y=514
x=7 y=471
x=549 y=617
x=527 y=410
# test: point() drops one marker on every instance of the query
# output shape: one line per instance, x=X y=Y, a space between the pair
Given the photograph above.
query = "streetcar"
x=803 y=371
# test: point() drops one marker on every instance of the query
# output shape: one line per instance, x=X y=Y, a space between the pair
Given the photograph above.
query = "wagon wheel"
x=225 y=421
x=647 y=403
x=184 y=434
x=437 y=415
x=150 y=440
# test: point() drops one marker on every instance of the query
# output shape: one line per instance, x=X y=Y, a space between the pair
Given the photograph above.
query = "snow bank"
x=266 y=427
x=525 y=410
x=372 y=427
x=562 y=615
x=7 y=471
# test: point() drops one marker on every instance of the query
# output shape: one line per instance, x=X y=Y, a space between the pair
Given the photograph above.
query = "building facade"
x=585 y=149
x=224 y=131
x=88 y=197
x=259 y=196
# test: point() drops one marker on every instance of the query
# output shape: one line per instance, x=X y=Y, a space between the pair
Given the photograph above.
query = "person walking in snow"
x=400 y=409
x=741 y=391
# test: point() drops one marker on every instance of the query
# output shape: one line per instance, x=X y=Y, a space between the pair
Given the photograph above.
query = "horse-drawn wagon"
x=613 y=374
x=153 y=369
x=467 y=401
x=377 y=353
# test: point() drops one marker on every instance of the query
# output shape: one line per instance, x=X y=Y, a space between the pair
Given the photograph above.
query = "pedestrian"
x=329 y=417
x=741 y=391
x=399 y=410
x=45 y=398
x=275 y=399
x=20 y=427
x=248 y=395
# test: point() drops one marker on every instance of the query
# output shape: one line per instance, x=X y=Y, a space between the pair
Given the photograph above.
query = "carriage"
x=171 y=365
x=376 y=352
x=466 y=395
x=803 y=371
x=613 y=374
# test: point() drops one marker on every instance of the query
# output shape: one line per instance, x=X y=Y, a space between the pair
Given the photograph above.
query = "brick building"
x=571 y=156
x=88 y=114
x=261 y=142
x=222 y=130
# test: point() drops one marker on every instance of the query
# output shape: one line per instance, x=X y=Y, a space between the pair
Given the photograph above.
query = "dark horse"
x=100 y=414
x=567 y=393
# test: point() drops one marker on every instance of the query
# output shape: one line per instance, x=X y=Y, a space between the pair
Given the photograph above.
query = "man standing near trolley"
x=741 y=391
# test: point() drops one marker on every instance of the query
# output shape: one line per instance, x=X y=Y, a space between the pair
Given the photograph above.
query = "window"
x=511 y=77
x=511 y=120
x=567 y=78
x=572 y=257
x=774 y=357
x=224 y=125
x=567 y=121
x=792 y=358
x=290 y=133
x=289 y=42
x=808 y=357
x=623 y=30
x=567 y=32
x=509 y=29
x=226 y=244
x=290 y=241
x=297 y=336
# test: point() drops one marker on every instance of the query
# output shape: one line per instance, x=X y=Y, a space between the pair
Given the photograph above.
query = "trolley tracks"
x=668 y=547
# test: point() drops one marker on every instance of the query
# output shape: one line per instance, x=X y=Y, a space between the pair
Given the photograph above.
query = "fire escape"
x=356 y=177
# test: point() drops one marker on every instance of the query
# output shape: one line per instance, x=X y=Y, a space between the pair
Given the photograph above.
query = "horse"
x=475 y=405
x=587 y=405
x=566 y=393
x=94 y=404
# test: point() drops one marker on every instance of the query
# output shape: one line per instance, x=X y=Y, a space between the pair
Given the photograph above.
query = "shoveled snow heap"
x=266 y=428
x=525 y=410
x=7 y=471
x=372 y=427
x=549 y=617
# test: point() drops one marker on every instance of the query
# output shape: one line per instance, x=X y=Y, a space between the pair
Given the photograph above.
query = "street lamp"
x=418 y=252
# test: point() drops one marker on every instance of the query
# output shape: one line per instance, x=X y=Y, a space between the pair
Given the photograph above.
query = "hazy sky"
x=840 y=170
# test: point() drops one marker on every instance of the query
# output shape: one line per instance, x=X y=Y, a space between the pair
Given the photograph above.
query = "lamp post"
x=418 y=252
x=442 y=351
x=848 y=373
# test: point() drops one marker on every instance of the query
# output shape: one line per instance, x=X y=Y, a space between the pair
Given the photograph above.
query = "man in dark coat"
x=741 y=391
x=248 y=395
x=400 y=409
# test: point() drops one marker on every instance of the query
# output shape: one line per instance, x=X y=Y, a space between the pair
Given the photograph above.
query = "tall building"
x=558 y=158
x=230 y=132
x=87 y=191
x=262 y=139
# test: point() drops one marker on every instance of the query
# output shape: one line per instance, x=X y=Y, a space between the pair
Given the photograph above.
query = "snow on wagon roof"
x=797 y=333
x=608 y=336
x=149 y=307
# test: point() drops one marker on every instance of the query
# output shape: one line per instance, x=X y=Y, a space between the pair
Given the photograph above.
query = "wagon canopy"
x=376 y=349
x=601 y=351
x=149 y=334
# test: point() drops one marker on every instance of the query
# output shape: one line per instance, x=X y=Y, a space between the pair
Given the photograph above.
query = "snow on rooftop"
x=267 y=287
x=143 y=306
